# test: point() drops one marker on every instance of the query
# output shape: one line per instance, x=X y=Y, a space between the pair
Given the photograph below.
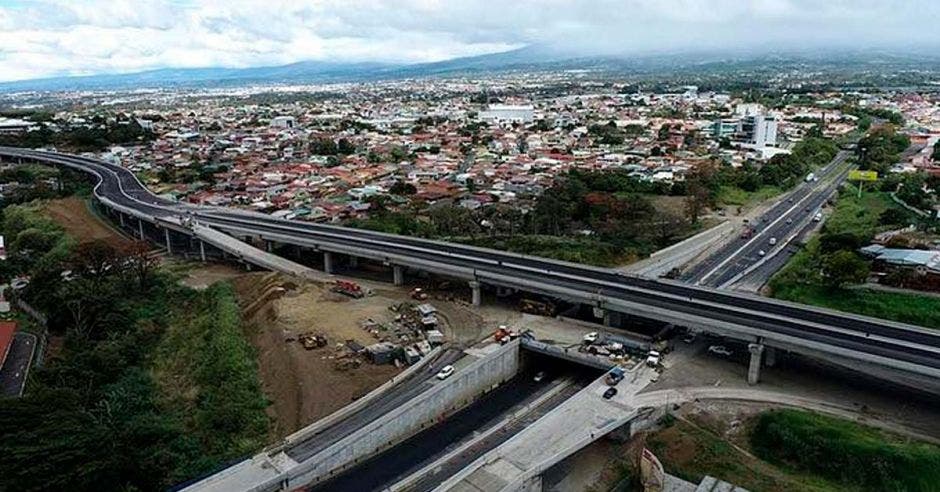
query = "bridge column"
x=140 y=228
x=475 y=298
x=770 y=358
x=166 y=236
x=121 y=216
x=327 y=262
x=753 y=370
x=398 y=275
x=269 y=246
x=202 y=250
x=353 y=262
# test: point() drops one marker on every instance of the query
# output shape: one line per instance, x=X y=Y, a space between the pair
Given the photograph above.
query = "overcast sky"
x=59 y=37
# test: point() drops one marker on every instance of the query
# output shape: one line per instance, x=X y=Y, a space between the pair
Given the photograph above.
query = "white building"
x=760 y=130
x=283 y=122
x=503 y=113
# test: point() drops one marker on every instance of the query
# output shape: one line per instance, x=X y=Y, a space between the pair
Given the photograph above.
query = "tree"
x=702 y=188
x=96 y=260
x=140 y=263
x=844 y=267
x=402 y=188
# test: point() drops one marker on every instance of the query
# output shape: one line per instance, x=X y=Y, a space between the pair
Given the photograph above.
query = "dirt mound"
x=73 y=215
x=305 y=385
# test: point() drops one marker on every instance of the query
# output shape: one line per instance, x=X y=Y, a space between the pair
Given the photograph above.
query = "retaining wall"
x=441 y=400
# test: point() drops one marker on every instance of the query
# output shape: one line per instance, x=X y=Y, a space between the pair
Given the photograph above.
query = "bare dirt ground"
x=74 y=216
x=306 y=385
x=200 y=276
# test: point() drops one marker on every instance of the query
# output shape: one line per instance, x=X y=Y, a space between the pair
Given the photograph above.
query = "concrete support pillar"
x=202 y=251
x=476 y=297
x=611 y=318
x=398 y=275
x=770 y=358
x=753 y=370
x=166 y=236
x=269 y=246
x=121 y=215
x=353 y=262
x=140 y=228
x=327 y=262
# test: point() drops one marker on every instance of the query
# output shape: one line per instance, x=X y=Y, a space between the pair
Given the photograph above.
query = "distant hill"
x=308 y=71
x=530 y=58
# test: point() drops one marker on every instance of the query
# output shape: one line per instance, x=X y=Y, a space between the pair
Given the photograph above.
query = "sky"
x=42 y=38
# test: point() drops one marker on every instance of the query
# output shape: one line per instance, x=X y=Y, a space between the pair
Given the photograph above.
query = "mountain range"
x=530 y=58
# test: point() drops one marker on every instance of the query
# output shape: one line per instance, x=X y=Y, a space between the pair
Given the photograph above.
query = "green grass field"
x=734 y=196
x=800 y=280
x=855 y=456
x=691 y=452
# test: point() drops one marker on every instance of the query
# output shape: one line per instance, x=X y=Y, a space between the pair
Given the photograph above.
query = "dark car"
x=610 y=393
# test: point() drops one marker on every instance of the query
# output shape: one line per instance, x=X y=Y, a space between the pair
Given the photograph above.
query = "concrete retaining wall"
x=681 y=253
x=442 y=399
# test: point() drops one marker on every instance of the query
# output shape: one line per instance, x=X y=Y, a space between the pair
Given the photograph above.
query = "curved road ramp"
x=325 y=454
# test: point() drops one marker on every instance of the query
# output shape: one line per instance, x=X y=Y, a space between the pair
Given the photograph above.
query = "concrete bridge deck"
x=579 y=421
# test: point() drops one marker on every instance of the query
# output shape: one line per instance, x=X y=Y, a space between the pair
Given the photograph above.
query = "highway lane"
x=415 y=452
x=639 y=290
x=404 y=391
x=741 y=253
x=768 y=314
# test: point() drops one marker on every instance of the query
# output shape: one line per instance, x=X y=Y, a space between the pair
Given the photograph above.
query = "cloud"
x=55 y=37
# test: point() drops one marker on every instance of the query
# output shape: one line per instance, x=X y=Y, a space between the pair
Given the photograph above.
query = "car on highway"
x=789 y=221
x=591 y=337
x=719 y=350
x=445 y=372
x=539 y=376
x=610 y=393
x=773 y=241
x=761 y=253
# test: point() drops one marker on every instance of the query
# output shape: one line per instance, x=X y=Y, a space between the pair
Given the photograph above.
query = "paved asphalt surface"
x=784 y=219
x=411 y=455
x=15 y=368
x=715 y=307
x=400 y=393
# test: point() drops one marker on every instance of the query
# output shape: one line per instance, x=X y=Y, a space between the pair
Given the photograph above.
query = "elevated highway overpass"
x=910 y=349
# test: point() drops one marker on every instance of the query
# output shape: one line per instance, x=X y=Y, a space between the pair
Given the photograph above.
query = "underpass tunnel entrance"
x=541 y=383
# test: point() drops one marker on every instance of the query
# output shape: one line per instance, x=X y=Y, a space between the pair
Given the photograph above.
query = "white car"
x=719 y=350
x=591 y=337
x=773 y=241
x=652 y=359
x=761 y=253
x=445 y=372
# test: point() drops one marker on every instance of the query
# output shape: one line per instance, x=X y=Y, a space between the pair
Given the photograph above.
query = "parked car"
x=445 y=372
x=652 y=359
x=591 y=337
x=610 y=393
x=539 y=376
x=719 y=350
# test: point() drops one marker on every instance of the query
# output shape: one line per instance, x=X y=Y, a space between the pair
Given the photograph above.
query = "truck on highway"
x=614 y=376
